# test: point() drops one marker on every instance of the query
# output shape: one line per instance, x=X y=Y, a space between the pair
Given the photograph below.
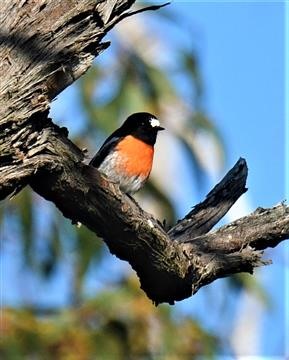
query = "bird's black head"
x=143 y=126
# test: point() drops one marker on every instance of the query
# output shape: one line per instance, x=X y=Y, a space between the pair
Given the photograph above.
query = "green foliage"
x=118 y=324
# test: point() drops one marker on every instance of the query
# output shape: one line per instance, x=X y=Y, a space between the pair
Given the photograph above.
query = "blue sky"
x=242 y=54
x=241 y=49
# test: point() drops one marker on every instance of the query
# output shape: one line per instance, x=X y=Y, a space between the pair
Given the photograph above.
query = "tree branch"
x=44 y=47
x=262 y=229
x=169 y=270
x=217 y=203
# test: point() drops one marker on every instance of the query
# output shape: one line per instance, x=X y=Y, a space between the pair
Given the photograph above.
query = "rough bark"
x=44 y=46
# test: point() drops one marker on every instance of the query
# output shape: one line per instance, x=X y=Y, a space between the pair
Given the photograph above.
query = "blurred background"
x=213 y=73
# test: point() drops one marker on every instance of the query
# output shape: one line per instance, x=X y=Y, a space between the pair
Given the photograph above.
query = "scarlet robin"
x=126 y=156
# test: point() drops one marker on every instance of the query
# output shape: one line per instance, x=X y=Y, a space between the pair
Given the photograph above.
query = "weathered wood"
x=217 y=203
x=44 y=46
x=168 y=270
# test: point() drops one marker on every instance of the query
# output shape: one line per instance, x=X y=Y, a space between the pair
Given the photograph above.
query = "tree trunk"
x=45 y=46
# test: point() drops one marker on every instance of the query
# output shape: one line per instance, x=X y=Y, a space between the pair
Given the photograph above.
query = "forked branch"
x=168 y=269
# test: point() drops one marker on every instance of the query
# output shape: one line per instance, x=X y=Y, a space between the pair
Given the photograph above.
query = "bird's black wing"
x=106 y=148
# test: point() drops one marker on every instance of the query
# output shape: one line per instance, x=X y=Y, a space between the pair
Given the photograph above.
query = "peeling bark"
x=44 y=46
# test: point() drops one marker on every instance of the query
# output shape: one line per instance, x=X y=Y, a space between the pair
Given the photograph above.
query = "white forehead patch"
x=154 y=122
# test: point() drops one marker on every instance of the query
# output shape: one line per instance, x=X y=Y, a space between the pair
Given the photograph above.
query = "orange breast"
x=137 y=156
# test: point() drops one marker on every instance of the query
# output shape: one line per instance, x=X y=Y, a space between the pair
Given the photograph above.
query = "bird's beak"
x=159 y=128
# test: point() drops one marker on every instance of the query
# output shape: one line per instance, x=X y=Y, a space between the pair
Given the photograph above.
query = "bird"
x=126 y=156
